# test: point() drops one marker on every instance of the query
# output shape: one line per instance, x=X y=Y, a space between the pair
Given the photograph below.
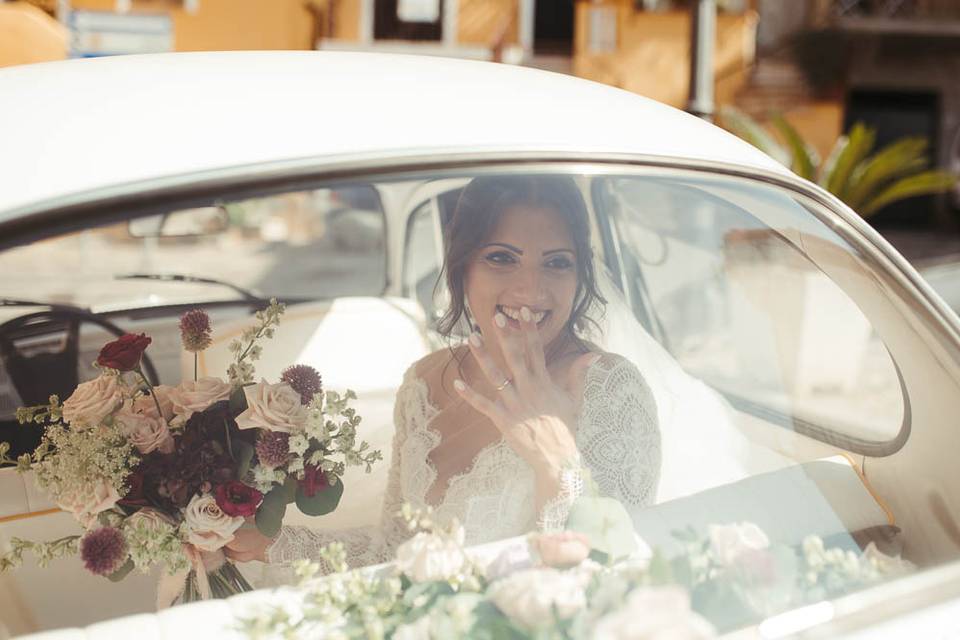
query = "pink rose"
x=93 y=401
x=561 y=549
x=189 y=396
x=145 y=404
x=274 y=407
x=87 y=502
x=146 y=431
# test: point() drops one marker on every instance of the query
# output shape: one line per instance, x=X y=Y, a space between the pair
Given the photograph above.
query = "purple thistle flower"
x=195 y=330
x=273 y=448
x=103 y=550
x=304 y=379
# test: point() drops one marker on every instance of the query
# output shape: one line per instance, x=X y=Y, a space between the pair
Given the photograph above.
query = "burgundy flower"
x=273 y=448
x=103 y=550
x=237 y=499
x=314 y=480
x=124 y=353
x=195 y=330
x=134 y=495
x=304 y=379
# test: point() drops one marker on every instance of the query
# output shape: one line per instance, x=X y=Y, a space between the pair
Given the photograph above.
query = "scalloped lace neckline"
x=431 y=411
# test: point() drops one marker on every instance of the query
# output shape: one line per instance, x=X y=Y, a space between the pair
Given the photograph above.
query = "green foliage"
x=271 y=511
x=866 y=180
x=606 y=523
x=322 y=502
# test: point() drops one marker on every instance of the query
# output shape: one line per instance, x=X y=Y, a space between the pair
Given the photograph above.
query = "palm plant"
x=866 y=180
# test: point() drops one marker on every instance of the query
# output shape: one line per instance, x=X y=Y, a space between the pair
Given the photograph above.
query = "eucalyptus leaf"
x=271 y=511
x=606 y=523
x=238 y=402
x=322 y=502
x=122 y=572
x=243 y=454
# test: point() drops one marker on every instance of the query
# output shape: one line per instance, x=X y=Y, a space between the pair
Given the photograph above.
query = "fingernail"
x=500 y=320
x=525 y=314
x=458 y=385
x=475 y=340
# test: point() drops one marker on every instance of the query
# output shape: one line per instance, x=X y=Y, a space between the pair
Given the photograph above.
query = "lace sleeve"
x=618 y=439
x=363 y=545
x=618 y=434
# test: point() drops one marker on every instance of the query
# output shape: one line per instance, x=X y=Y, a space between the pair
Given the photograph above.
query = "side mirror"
x=186 y=223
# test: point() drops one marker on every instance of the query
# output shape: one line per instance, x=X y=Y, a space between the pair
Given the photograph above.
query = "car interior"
x=797 y=383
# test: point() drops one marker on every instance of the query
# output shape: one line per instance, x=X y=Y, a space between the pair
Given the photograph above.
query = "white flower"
x=531 y=596
x=93 y=401
x=418 y=630
x=884 y=564
x=206 y=526
x=275 y=407
x=514 y=557
x=427 y=556
x=728 y=541
x=654 y=613
x=146 y=431
x=86 y=502
x=298 y=444
x=191 y=396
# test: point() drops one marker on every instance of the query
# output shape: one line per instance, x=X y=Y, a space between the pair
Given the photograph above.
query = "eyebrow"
x=519 y=251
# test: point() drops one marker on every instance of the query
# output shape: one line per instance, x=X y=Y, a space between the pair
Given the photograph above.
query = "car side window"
x=737 y=298
x=423 y=259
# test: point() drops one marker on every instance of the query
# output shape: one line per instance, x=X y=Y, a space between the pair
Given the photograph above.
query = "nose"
x=530 y=287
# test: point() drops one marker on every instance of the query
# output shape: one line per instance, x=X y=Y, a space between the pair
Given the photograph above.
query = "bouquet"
x=166 y=475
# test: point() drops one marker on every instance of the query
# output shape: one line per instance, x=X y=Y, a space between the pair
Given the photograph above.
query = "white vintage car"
x=806 y=378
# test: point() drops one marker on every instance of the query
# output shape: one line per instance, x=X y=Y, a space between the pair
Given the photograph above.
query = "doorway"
x=553 y=27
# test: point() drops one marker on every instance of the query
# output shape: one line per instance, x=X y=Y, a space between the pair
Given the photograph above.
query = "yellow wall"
x=229 y=24
x=652 y=56
x=27 y=35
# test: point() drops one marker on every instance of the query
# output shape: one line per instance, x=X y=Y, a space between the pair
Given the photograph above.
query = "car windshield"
x=720 y=361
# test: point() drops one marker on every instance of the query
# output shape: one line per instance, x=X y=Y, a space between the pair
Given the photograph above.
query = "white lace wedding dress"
x=617 y=435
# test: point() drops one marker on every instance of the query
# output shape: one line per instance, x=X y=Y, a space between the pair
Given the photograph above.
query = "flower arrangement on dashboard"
x=166 y=475
x=570 y=584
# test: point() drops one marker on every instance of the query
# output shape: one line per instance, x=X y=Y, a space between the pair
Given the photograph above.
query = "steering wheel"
x=36 y=377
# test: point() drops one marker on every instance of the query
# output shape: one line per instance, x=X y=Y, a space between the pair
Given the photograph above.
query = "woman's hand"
x=535 y=415
x=248 y=544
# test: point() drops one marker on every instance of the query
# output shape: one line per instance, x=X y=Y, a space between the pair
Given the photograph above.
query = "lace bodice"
x=617 y=436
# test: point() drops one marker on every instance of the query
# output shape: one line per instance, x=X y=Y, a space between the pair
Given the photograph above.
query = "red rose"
x=237 y=499
x=124 y=353
x=314 y=480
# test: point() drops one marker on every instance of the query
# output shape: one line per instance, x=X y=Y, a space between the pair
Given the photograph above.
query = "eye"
x=559 y=262
x=500 y=257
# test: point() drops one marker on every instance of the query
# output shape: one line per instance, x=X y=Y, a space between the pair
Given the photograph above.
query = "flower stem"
x=196 y=357
x=150 y=391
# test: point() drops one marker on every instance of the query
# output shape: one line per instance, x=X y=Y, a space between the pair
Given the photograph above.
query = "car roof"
x=79 y=125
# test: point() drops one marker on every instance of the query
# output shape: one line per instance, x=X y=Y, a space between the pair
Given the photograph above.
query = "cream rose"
x=659 y=613
x=275 y=407
x=728 y=541
x=206 y=526
x=146 y=431
x=93 y=401
x=85 y=503
x=146 y=405
x=427 y=557
x=191 y=396
x=531 y=596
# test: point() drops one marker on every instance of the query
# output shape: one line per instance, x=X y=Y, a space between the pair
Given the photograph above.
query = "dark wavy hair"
x=479 y=209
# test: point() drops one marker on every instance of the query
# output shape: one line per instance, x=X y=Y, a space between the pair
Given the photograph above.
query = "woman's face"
x=529 y=260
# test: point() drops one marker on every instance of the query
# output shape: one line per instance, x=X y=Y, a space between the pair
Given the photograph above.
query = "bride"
x=500 y=432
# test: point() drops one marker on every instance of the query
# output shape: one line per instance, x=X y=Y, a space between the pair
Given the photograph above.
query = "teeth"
x=515 y=314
